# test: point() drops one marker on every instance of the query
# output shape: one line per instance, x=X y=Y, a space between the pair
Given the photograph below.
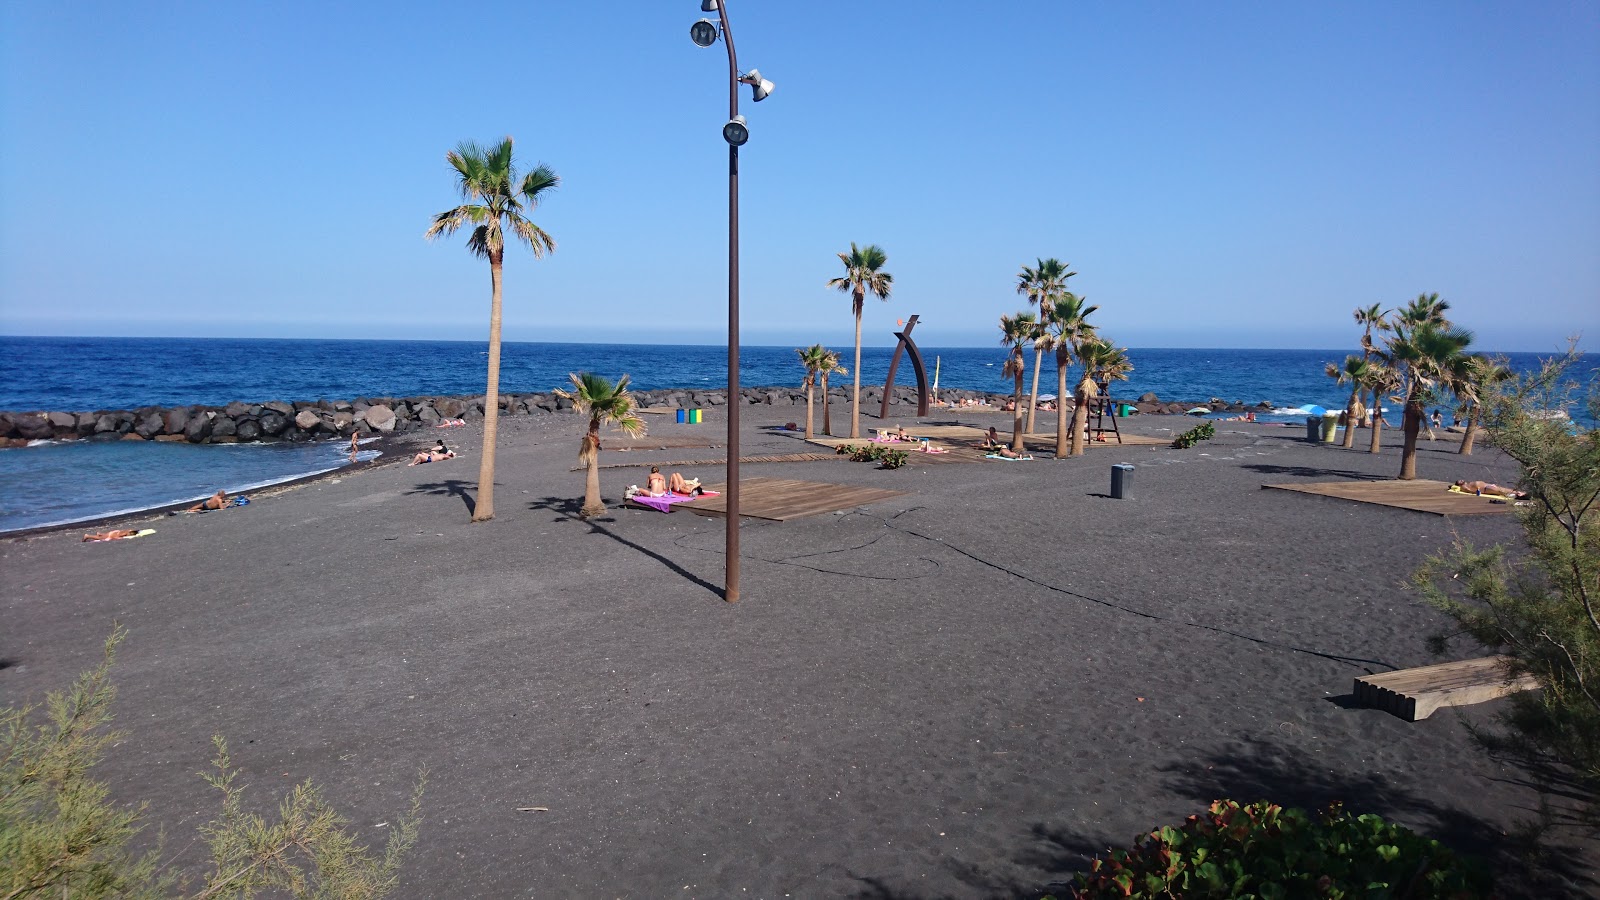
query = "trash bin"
x=1121 y=481
x=1330 y=426
x=680 y=417
x=1314 y=429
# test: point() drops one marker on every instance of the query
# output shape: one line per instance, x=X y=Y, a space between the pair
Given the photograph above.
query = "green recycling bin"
x=1330 y=427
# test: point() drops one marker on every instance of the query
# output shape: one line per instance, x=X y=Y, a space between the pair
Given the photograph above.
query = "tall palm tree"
x=863 y=275
x=1070 y=327
x=830 y=367
x=1370 y=317
x=1015 y=331
x=1354 y=373
x=605 y=403
x=1427 y=308
x=1430 y=358
x=497 y=201
x=1042 y=285
x=813 y=358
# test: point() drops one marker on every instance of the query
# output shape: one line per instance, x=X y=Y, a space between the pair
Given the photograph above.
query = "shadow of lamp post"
x=704 y=33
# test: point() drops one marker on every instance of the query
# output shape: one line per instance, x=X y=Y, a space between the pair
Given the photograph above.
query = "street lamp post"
x=735 y=132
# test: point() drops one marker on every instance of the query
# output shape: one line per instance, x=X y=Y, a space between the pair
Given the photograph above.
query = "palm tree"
x=1103 y=362
x=1353 y=372
x=496 y=202
x=1371 y=317
x=863 y=275
x=830 y=367
x=1483 y=373
x=813 y=358
x=1014 y=332
x=1379 y=379
x=1430 y=358
x=606 y=403
x=1070 y=328
x=1042 y=285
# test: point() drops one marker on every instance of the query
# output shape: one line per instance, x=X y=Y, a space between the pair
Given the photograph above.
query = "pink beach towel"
x=665 y=501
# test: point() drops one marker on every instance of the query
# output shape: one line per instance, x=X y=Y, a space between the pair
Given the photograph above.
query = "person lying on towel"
x=1489 y=489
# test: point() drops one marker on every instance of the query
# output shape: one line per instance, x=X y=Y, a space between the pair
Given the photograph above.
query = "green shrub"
x=1202 y=432
x=61 y=835
x=892 y=459
x=1266 y=851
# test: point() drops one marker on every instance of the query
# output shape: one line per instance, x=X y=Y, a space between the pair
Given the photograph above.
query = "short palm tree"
x=1352 y=372
x=1483 y=374
x=605 y=403
x=814 y=358
x=863 y=275
x=830 y=367
x=497 y=200
x=1430 y=358
x=1103 y=363
x=1042 y=285
x=1380 y=380
x=1069 y=327
x=1016 y=332
x=1371 y=317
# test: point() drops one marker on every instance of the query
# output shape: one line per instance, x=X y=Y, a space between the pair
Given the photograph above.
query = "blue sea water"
x=72 y=481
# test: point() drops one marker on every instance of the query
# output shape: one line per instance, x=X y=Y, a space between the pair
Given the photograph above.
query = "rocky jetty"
x=278 y=420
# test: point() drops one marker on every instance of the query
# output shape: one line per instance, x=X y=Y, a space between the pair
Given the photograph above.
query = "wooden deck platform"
x=683 y=463
x=1419 y=496
x=782 y=499
x=962 y=441
x=1415 y=694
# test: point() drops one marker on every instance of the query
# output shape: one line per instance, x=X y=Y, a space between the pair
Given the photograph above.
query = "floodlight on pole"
x=703 y=33
x=708 y=5
x=761 y=87
x=736 y=132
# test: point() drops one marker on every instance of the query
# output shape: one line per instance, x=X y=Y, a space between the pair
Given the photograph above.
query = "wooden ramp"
x=782 y=499
x=1419 y=496
x=1414 y=694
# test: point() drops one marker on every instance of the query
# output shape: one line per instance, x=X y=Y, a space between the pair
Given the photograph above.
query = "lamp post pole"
x=730 y=591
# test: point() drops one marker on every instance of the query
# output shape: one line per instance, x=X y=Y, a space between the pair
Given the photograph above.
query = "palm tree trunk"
x=1377 y=425
x=809 y=433
x=592 y=506
x=1472 y=428
x=1411 y=425
x=855 y=396
x=483 y=506
x=1062 y=449
x=827 y=422
x=1033 y=399
x=1016 y=406
x=1080 y=415
x=1350 y=419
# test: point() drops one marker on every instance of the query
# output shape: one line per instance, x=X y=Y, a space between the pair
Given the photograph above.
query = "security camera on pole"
x=705 y=33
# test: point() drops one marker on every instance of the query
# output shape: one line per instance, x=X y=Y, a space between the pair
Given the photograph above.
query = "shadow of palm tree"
x=566 y=510
x=453 y=487
x=1256 y=769
x=1312 y=472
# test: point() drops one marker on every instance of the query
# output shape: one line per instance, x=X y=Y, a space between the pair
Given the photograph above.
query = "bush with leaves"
x=1266 y=851
x=1202 y=432
x=61 y=836
x=1541 y=605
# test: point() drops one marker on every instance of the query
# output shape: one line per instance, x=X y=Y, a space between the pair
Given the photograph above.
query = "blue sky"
x=1220 y=174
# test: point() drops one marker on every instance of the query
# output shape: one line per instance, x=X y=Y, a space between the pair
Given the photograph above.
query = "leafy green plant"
x=1202 y=432
x=892 y=459
x=61 y=836
x=885 y=457
x=1266 y=851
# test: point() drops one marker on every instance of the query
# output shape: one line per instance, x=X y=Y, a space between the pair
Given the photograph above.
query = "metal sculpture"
x=906 y=343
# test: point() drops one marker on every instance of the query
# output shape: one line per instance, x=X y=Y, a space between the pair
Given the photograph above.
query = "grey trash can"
x=1314 y=429
x=1121 y=481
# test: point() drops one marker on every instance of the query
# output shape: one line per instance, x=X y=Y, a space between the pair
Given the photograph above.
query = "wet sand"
x=962 y=692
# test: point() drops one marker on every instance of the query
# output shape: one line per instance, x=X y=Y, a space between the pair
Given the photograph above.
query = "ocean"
x=56 y=483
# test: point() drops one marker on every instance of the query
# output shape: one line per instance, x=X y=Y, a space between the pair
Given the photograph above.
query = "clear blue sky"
x=1220 y=174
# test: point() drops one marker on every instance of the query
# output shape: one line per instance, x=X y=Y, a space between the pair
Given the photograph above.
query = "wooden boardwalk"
x=1419 y=496
x=962 y=441
x=1415 y=694
x=782 y=499
x=684 y=463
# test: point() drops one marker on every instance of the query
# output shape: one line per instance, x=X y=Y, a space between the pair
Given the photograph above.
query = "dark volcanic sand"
x=961 y=692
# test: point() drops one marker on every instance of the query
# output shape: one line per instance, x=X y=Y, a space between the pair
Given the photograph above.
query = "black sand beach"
x=962 y=692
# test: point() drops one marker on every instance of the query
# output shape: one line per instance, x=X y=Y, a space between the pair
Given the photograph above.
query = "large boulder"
x=450 y=407
x=33 y=427
x=248 y=430
x=62 y=421
x=223 y=426
x=176 y=420
x=85 y=426
x=1149 y=397
x=279 y=407
x=236 y=410
x=306 y=420
x=105 y=422
x=427 y=415
x=149 y=425
x=380 y=417
x=199 y=428
x=273 y=422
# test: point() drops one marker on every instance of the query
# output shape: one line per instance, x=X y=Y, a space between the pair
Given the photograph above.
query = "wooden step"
x=1414 y=694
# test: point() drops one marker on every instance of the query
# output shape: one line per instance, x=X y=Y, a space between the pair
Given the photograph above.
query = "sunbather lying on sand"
x=215 y=501
x=431 y=456
x=1005 y=451
x=686 y=486
x=1489 y=489
x=115 y=534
